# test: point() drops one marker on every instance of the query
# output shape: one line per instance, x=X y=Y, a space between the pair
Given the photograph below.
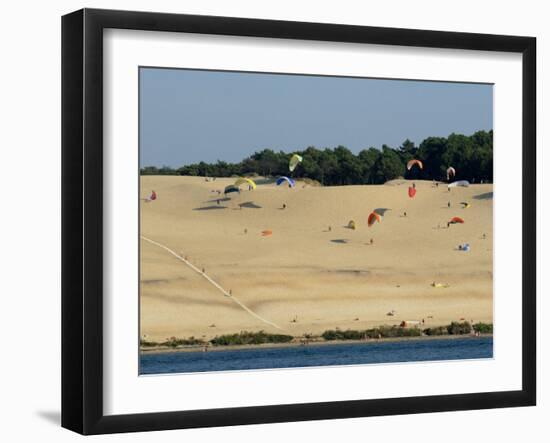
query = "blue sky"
x=187 y=116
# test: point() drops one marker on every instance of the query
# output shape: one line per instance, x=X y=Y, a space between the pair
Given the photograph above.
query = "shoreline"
x=297 y=344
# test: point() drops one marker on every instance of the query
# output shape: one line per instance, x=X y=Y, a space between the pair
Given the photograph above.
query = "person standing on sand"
x=371 y=241
x=284 y=205
x=152 y=197
x=448 y=204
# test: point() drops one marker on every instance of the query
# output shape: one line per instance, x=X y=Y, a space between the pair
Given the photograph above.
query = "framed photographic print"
x=269 y=221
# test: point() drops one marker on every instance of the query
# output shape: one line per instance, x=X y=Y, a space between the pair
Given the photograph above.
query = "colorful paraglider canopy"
x=456 y=220
x=231 y=188
x=463 y=183
x=290 y=182
x=351 y=224
x=413 y=162
x=243 y=180
x=381 y=211
x=373 y=218
x=267 y=233
x=412 y=192
x=294 y=160
x=450 y=172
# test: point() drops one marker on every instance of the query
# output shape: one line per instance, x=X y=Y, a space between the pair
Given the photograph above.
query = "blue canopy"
x=285 y=179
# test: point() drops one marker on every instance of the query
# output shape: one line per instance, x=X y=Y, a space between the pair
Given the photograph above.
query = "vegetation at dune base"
x=262 y=337
x=456 y=328
x=172 y=342
x=483 y=328
x=471 y=156
x=250 y=338
x=379 y=332
x=436 y=330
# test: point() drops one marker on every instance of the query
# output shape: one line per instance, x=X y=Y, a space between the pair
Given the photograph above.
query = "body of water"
x=317 y=355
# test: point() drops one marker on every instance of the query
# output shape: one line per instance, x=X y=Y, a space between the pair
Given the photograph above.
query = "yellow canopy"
x=248 y=181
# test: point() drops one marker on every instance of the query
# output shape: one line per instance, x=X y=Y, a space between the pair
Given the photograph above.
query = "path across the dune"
x=212 y=282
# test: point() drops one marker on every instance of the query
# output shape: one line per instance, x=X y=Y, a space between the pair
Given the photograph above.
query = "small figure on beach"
x=371 y=241
x=414 y=185
x=284 y=205
x=218 y=201
x=151 y=197
x=484 y=236
x=405 y=214
x=203 y=270
x=448 y=204
x=329 y=228
x=230 y=292
x=245 y=231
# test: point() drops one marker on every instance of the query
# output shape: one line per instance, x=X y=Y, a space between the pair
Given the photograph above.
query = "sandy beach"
x=305 y=277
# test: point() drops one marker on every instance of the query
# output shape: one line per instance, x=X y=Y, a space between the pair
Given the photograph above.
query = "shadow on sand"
x=209 y=208
x=221 y=199
x=486 y=196
x=250 y=205
x=339 y=240
x=381 y=211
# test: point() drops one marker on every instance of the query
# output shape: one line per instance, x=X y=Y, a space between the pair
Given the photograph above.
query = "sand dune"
x=304 y=277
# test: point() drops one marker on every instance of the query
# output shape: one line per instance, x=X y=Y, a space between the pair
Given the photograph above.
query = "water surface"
x=317 y=355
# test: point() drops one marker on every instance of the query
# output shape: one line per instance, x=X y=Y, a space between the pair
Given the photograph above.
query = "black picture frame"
x=82 y=218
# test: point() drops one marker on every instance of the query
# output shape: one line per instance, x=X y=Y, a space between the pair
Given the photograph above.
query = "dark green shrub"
x=456 y=328
x=437 y=330
x=483 y=328
x=250 y=338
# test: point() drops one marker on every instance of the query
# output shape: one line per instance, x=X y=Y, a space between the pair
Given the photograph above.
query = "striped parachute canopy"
x=413 y=162
x=294 y=160
x=456 y=220
x=231 y=188
x=373 y=218
x=243 y=180
x=290 y=182
x=450 y=172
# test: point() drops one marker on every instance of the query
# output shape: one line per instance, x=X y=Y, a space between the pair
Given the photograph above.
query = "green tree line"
x=471 y=156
